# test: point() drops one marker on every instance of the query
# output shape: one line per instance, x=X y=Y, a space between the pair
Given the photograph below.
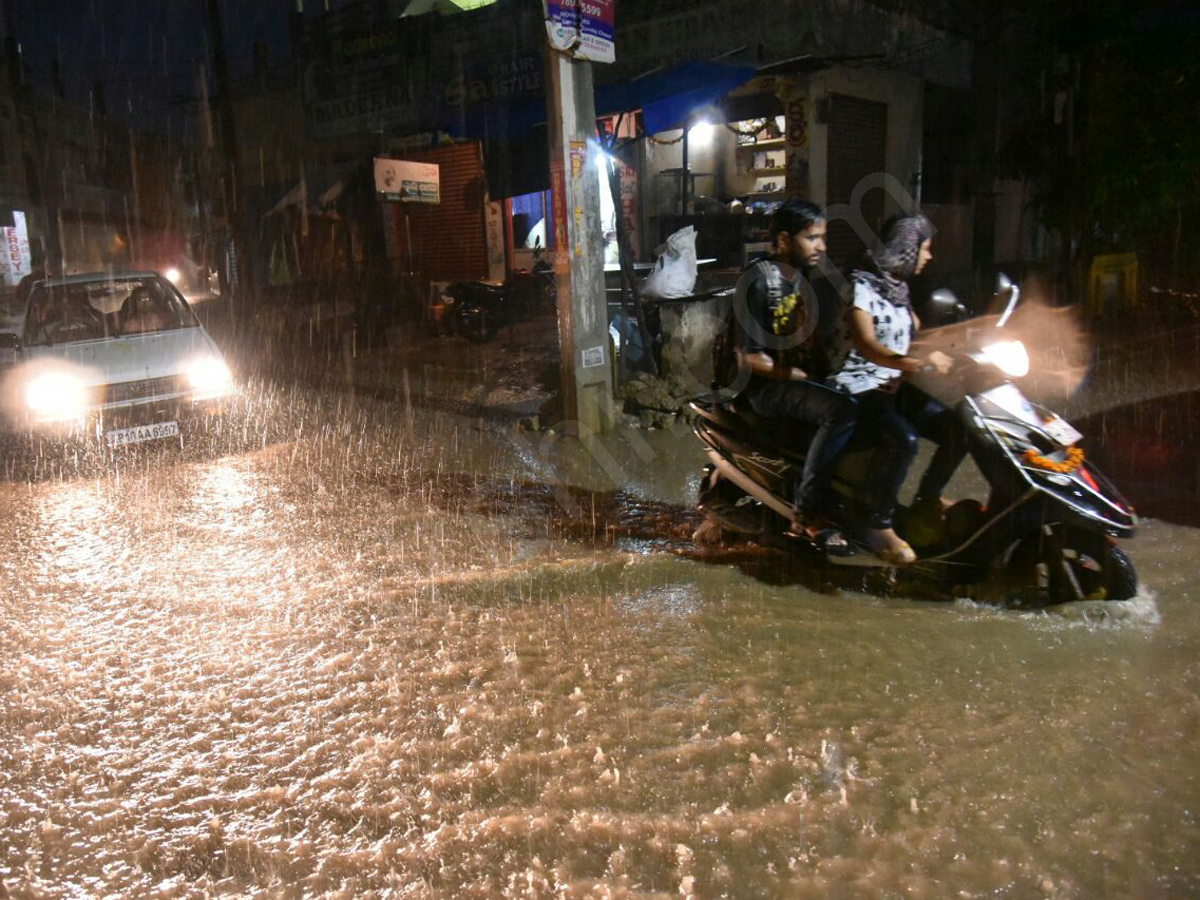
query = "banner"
x=15 y=260
x=415 y=182
x=583 y=27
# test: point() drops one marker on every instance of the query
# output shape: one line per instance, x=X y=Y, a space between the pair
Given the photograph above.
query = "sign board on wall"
x=421 y=72
x=15 y=261
x=583 y=27
x=359 y=81
x=414 y=182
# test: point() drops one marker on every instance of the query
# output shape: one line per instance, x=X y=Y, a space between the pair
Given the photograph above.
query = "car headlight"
x=209 y=377
x=1010 y=357
x=56 y=395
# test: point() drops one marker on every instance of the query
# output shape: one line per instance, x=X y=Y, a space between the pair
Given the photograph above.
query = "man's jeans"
x=834 y=414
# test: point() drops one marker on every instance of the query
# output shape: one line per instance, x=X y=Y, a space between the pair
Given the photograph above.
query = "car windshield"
x=93 y=310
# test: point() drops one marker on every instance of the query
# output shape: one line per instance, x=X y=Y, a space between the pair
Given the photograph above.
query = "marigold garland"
x=1073 y=461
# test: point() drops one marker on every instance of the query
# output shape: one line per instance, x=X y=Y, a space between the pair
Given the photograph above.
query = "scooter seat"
x=785 y=435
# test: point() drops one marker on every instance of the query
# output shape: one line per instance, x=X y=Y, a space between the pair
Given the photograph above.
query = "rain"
x=361 y=537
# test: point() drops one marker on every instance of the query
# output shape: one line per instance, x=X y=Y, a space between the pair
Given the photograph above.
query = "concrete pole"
x=587 y=390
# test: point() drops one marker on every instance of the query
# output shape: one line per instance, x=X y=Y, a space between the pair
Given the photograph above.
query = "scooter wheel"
x=1093 y=570
x=1121 y=581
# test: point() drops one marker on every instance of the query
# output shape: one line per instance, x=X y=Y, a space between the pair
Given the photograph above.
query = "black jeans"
x=901 y=418
x=834 y=414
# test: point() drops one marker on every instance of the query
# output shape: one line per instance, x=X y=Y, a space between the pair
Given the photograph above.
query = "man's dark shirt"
x=780 y=319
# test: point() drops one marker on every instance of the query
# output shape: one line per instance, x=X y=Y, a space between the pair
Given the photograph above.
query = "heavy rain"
x=377 y=517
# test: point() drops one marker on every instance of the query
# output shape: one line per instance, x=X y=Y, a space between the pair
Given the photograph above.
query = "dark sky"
x=146 y=52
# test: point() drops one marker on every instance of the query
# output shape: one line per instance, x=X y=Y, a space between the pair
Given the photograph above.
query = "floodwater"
x=369 y=650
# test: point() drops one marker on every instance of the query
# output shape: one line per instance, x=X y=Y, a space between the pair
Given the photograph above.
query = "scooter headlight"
x=53 y=396
x=1010 y=357
x=210 y=377
x=173 y=275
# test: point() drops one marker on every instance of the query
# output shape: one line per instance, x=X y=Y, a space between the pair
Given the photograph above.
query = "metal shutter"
x=448 y=240
x=857 y=148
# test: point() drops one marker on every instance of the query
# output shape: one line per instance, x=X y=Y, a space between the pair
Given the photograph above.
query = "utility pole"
x=243 y=252
x=587 y=390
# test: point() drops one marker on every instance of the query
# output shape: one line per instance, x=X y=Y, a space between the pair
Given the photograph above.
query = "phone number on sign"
x=588 y=9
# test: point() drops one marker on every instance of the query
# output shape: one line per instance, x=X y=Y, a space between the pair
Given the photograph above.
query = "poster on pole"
x=583 y=28
x=414 y=182
x=558 y=210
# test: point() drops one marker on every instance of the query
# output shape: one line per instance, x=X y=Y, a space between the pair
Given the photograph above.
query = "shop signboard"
x=413 y=182
x=496 y=79
x=584 y=28
x=421 y=73
x=359 y=81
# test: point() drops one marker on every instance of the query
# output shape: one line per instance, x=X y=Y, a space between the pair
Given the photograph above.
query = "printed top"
x=894 y=329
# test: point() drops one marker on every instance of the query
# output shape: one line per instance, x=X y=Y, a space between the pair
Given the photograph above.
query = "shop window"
x=531 y=221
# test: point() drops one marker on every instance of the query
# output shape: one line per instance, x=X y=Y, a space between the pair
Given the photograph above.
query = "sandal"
x=832 y=542
x=827 y=537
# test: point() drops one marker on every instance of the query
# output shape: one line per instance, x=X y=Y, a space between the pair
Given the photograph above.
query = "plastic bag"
x=674 y=273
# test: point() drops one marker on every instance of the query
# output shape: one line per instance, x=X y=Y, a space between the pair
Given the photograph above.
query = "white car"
x=120 y=356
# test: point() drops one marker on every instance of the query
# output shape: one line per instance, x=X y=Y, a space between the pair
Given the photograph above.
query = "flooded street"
x=366 y=648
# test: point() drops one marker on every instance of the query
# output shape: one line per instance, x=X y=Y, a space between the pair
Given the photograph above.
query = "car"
x=116 y=356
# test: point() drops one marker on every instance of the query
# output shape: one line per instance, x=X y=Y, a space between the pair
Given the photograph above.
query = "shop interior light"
x=701 y=133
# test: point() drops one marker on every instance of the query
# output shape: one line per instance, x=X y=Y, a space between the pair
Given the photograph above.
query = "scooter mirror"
x=944 y=297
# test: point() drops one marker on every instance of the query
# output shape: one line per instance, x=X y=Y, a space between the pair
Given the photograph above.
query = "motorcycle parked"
x=481 y=308
x=1046 y=530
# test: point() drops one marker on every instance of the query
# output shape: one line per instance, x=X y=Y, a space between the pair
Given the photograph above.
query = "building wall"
x=903 y=94
x=662 y=32
x=271 y=137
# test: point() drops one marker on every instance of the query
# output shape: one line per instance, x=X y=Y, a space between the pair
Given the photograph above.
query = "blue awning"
x=667 y=99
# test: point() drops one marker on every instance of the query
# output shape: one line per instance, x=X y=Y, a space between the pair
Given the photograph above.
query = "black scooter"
x=1044 y=535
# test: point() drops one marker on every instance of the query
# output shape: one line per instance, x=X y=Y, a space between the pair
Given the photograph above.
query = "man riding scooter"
x=776 y=342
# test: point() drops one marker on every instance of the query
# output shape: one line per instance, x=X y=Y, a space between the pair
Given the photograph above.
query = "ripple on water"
x=292 y=671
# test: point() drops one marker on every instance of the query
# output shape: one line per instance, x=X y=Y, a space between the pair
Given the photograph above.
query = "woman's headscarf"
x=888 y=267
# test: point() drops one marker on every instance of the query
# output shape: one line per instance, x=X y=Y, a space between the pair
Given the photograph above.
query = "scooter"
x=1044 y=535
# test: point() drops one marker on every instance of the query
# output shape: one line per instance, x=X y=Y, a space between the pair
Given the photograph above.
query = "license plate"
x=1061 y=432
x=138 y=433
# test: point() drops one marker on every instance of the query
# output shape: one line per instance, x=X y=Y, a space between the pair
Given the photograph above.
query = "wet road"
x=353 y=647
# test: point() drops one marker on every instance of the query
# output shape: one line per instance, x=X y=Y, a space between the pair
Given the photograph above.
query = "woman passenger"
x=879 y=329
